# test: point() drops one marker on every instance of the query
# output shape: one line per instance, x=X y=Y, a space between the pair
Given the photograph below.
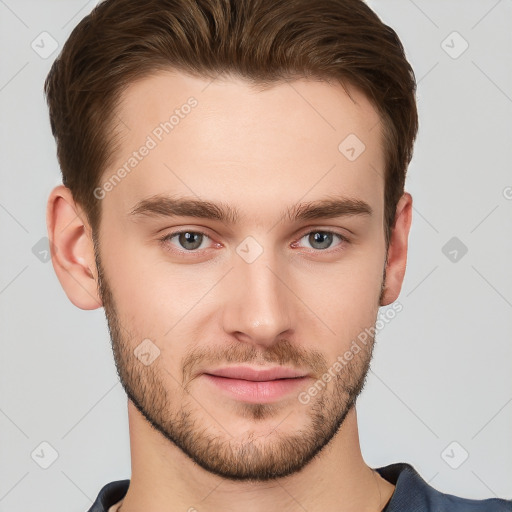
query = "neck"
x=164 y=479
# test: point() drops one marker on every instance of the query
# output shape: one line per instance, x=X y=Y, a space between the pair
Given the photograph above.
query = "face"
x=285 y=266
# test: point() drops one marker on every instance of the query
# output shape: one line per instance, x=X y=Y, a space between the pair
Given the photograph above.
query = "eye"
x=193 y=241
x=322 y=240
x=188 y=240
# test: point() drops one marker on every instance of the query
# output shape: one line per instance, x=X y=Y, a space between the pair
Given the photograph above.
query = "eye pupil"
x=188 y=237
x=321 y=237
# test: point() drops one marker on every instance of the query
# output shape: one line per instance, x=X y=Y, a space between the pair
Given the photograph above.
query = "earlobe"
x=72 y=249
x=397 y=251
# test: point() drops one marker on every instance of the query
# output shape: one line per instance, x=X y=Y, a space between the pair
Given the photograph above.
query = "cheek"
x=156 y=299
x=348 y=300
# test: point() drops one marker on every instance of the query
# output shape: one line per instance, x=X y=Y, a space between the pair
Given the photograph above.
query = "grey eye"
x=320 y=239
x=190 y=240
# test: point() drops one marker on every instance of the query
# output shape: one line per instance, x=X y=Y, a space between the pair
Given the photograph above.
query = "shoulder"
x=109 y=495
x=413 y=494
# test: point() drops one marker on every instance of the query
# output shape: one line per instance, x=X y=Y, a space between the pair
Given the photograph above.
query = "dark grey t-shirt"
x=412 y=494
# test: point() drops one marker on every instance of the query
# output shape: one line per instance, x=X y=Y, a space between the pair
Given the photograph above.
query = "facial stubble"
x=180 y=418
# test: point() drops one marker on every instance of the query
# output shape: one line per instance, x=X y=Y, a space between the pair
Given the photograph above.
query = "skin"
x=300 y=303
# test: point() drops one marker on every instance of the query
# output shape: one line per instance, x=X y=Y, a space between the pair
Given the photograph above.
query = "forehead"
x=222 y=138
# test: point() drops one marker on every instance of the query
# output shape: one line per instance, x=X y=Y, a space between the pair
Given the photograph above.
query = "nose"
x=259 y=305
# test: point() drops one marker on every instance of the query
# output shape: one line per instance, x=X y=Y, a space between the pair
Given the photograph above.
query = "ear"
x=397 y=250
x=72 y=249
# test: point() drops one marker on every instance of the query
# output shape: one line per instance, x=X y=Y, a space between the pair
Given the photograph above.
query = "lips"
x=253 y=385
x=257 y=375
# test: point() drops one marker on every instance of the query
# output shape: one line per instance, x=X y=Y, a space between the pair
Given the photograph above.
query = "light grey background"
x=442 y=367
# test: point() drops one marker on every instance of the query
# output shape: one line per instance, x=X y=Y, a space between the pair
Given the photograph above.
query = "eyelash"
x=344 y=240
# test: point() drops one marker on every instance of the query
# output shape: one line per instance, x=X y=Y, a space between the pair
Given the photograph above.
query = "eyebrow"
x=165 y=206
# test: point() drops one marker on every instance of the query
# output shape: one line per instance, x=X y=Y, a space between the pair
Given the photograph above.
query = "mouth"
x=256 y=386
x=255 y=374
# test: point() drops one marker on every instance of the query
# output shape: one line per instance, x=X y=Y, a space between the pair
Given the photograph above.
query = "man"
x=233 y=196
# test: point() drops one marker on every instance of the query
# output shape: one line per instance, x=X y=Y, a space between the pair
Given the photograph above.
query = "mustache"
x=282 y=353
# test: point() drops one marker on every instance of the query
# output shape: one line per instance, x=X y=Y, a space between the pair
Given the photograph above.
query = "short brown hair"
x=262 y=41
